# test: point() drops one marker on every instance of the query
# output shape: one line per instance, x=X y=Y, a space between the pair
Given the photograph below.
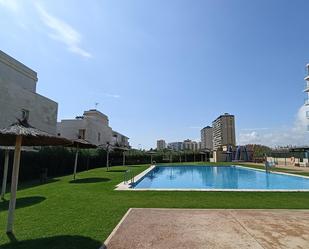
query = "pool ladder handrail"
x=128 y=176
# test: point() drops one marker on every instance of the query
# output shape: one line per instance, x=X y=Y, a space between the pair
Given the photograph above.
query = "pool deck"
x=210 y=228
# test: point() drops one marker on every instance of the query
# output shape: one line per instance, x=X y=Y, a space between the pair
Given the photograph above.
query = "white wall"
x=17 y=92
x=92 y=124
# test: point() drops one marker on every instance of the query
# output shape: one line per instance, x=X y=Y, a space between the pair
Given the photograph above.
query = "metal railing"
x=128 y=176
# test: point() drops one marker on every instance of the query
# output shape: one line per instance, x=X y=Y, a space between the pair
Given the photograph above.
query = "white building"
x=120 y=140
x=207 y=138
x=161 y=145
x=177 y=146
x=94 y=127
x=19 y=99
x=307 y=91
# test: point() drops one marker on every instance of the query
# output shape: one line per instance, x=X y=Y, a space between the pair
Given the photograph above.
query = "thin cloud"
x=296 y=135
x=10 y=4
x=62 y=32
x=254 y=129
x=116 y=96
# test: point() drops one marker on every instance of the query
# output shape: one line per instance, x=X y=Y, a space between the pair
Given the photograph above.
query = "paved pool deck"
x=209 y=228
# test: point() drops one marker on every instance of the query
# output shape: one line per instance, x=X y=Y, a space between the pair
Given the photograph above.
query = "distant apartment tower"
x=161 y=145
x=177 y=146
x=19 y=99
x=190 y=145
x=224 y=131
x=207 y=138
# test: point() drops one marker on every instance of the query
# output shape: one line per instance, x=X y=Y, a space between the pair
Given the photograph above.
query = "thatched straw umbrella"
x=23 y=134
x=123 y=149
x=151 y=154
x=108 y=147
x=80 y=144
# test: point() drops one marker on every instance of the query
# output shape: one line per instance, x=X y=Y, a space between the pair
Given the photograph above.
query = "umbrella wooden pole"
x=14 y=184
x=75 y=164
x=107 y=160
x=5 y=173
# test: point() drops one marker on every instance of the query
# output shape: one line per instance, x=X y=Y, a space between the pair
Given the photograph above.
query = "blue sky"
x=164 y=69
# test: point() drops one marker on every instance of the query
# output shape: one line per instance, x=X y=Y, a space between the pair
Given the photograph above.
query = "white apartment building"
x=19 y=99
x=306 y=90
x=176 y=146
x=93 y=126
x=161 y=144
x=120 y=140
x=207 y=138
x=224 y=131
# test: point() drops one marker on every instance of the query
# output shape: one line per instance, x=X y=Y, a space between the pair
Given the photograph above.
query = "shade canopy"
x=82 y=144
x=31 y=136
x=22 y=134
x=121 y=149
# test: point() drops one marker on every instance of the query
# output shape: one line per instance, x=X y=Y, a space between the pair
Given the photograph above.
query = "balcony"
x=306 y=87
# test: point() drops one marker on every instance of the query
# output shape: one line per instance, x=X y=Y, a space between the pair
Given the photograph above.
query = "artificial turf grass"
x=66 y=214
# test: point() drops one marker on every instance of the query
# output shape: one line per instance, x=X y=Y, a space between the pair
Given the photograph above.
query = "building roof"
x=18 y=66
x=224 y=115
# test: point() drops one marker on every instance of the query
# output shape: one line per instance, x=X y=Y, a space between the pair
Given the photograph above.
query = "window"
x=307 y=114
x=99 y=137
x=81 y=133
x=24 y=114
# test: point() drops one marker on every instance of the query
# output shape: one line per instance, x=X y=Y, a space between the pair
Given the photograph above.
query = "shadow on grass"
x=56 y=242
x=34 y=183
x=90 y=180
x=22 y=202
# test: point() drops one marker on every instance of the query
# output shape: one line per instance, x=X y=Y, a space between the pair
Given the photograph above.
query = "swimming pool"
x=218 y=178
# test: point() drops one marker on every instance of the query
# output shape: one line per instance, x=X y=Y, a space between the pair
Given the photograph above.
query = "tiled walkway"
x=199 y=229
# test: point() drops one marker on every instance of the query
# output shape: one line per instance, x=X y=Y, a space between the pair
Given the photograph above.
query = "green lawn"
x=81 y=214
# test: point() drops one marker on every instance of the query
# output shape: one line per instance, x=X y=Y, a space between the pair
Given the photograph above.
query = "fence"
x=60 y=161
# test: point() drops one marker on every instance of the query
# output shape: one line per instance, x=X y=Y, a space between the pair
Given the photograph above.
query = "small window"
x=81 y=133
x=59 y=134
x=24 y=114
x=99 y=137
x=307 y=114
x=307 y=127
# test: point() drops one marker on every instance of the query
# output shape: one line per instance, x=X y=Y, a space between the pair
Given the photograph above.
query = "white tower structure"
x=307 y=86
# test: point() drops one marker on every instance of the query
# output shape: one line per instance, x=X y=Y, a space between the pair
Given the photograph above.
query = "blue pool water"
x=218 y=177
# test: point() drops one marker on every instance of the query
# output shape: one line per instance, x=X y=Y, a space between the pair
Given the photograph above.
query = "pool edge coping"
x=128 y=186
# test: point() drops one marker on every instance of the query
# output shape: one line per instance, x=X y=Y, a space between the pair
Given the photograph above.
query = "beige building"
x=19 y=99
x=161 y=144
x=190 y=145
x=207 y=138
x=92 y=126
x=224 y=131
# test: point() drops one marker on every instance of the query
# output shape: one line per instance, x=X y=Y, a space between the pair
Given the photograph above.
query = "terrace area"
x=82 y=213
